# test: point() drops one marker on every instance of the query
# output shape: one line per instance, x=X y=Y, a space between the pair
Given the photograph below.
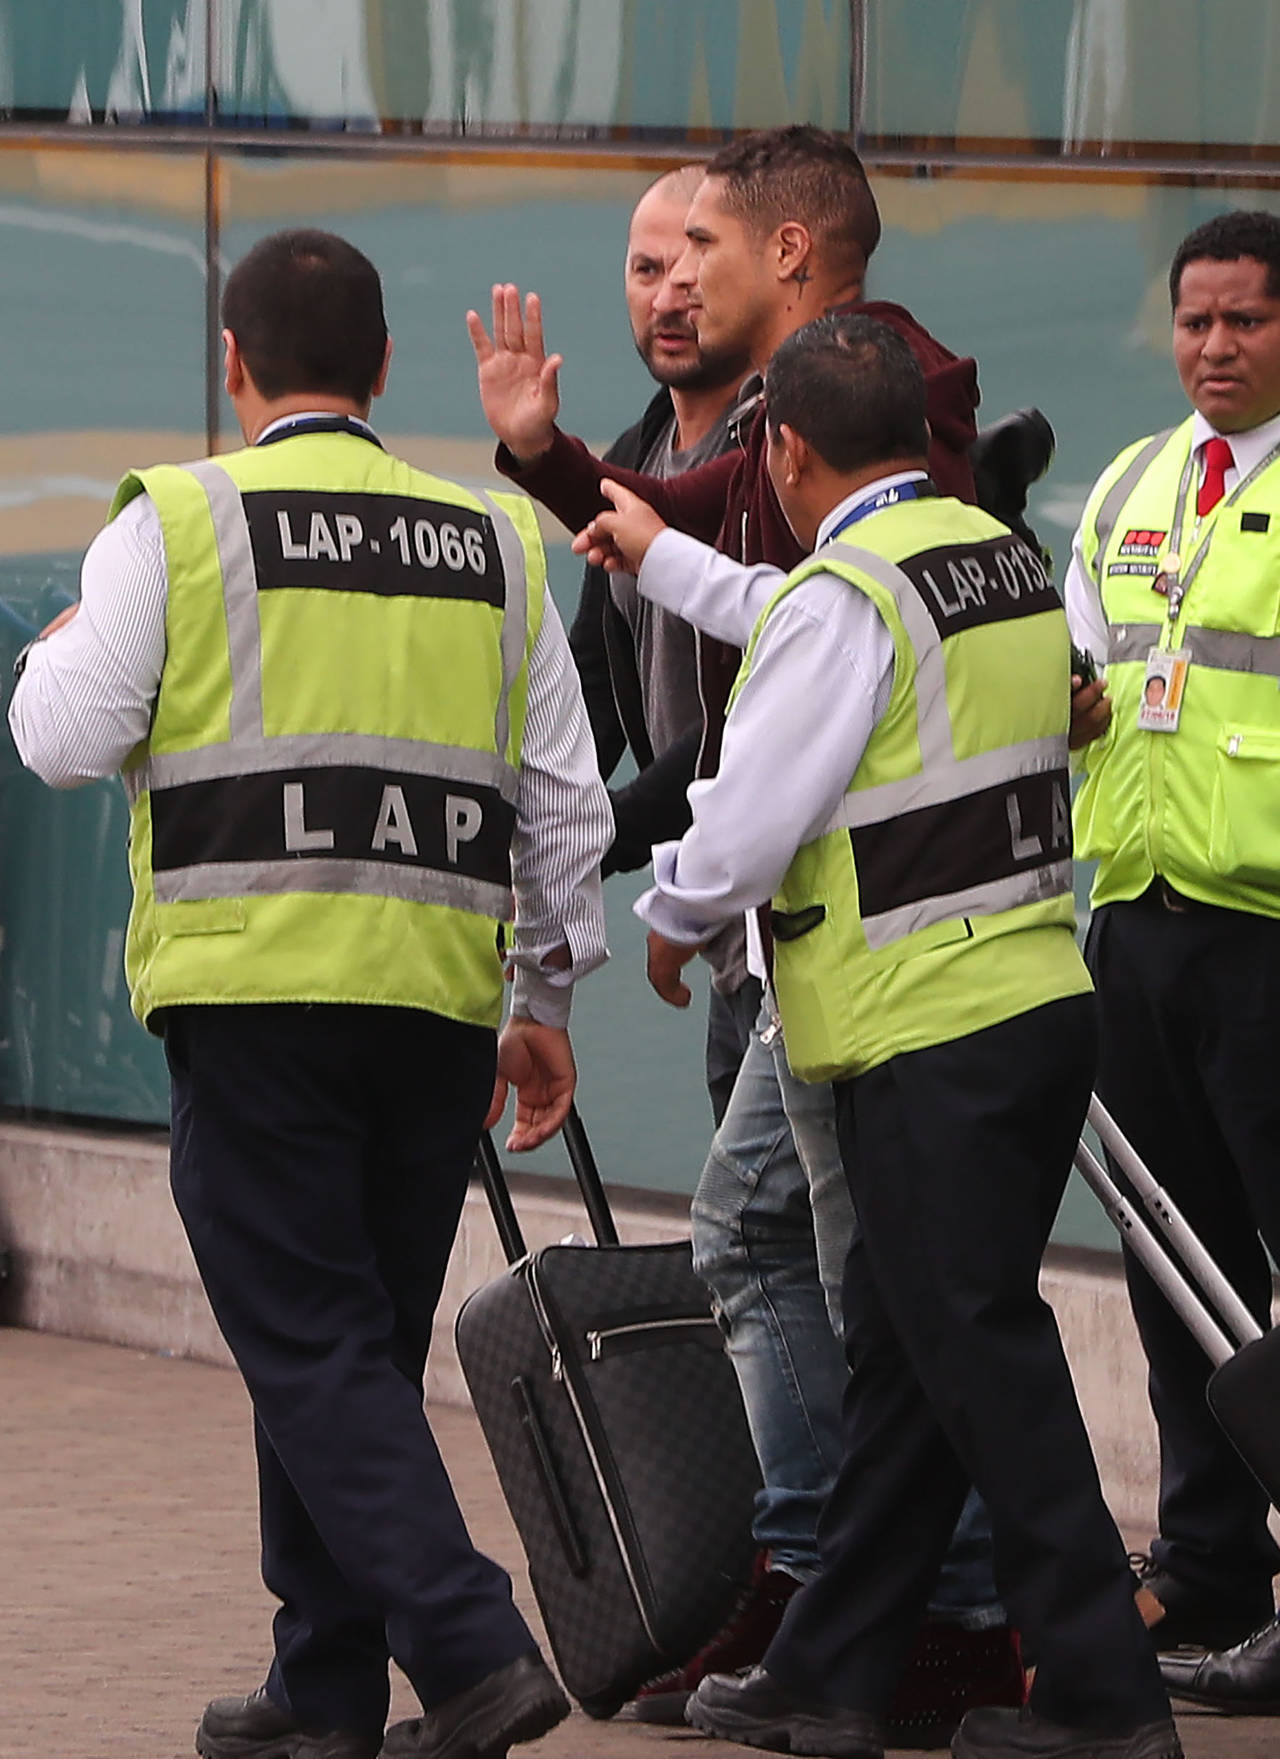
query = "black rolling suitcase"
x=614 y=1420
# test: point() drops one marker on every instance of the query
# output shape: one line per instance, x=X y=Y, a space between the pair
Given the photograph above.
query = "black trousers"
x=320 y=1159
x=957 y=1158
x=1190 y=1011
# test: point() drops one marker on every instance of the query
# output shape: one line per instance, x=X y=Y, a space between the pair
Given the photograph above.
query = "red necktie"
x=1217 y=462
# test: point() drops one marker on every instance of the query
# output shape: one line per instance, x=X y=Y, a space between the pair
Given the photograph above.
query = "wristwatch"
x=24 y=653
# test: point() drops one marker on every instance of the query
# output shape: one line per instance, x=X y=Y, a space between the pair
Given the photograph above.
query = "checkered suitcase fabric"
x=634 y=1499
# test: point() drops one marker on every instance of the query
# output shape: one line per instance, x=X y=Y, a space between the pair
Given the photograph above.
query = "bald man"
x=638 y=663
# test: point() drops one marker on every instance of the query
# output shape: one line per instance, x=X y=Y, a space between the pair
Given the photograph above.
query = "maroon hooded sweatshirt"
x=731 y=503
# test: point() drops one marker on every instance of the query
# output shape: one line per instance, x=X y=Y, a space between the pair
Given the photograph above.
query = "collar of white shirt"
x=1248 y=449
x=283 y=421
x=867 y=492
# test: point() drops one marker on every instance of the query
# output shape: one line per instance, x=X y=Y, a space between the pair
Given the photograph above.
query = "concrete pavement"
x=129 y=1590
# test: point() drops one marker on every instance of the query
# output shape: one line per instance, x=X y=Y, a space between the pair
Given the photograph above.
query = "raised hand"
x=519 y=382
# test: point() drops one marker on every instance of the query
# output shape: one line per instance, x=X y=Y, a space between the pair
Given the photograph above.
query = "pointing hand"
x=619 y=541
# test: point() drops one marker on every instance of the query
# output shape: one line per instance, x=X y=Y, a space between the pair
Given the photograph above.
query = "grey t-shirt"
x=667 y=661
x=666 y=646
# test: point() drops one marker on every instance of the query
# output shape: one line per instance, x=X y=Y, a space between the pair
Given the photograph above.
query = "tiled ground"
x=128 y=1573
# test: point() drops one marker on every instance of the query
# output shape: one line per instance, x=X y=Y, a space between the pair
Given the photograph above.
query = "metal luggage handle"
x=594 y=1196
x=1219 y=1335
x=548 y=1478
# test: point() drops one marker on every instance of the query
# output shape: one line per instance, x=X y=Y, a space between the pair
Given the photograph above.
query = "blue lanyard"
x=912 y=491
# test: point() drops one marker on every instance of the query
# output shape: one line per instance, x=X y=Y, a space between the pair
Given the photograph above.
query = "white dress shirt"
x=85 y=699
x=1085 y=614
x=820 y=680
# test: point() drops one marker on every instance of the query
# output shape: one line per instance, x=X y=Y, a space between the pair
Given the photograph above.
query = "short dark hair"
x=851 y=387
x=801 y=173
x=1247 y=232
x=305 y=308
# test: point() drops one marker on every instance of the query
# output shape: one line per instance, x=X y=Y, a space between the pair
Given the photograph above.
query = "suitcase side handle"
x=594 y=1196
x=548 y=1479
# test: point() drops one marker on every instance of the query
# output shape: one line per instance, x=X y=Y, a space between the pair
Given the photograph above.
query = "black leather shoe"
x=755 y=1710
x=256 y=1728
x=1021 y=1734
x=1193 y=1617
x=1244 y=1681
x=518 y=1703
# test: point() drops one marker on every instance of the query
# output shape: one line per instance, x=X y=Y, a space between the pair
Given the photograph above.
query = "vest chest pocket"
x=1244 y=822
x=201 y=916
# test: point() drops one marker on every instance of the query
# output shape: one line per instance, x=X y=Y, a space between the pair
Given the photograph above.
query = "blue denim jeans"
x=772 y=1222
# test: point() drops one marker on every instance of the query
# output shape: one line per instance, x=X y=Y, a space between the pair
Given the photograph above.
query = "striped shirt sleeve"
x=564 y=824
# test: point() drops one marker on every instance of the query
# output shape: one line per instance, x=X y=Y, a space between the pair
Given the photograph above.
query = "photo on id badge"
x=1162 y=688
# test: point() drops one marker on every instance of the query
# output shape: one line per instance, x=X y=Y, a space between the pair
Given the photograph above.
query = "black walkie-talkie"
x=1082 y=666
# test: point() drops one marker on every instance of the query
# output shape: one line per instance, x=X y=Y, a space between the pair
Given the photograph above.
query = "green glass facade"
x=1036 y=161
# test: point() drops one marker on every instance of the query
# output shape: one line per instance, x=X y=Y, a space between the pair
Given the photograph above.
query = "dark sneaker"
x=256 y=1728
x=949 y=1672
x=1021 y=1734
x=1179 y=1615
x=517 y=1703
x=755 y=1710
x=740 y=1643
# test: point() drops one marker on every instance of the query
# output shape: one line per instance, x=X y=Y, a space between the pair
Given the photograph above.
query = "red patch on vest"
x=1142 y=543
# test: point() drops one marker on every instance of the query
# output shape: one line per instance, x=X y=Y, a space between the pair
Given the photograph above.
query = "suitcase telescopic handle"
x=498 y=1192
x=1161 y=1238
x=594 y=1196
x=587 y=1173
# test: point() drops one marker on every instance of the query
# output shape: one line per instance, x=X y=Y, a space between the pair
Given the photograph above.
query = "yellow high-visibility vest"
x=937 y=901
x=322 y=810
x=1200 y=806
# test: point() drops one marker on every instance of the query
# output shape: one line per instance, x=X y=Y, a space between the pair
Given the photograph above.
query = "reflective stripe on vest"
x=1224 y=650
x=1124 y=485
x=255 y=815
x=973 y=836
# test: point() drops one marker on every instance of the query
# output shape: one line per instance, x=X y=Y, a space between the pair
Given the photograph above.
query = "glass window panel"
x=102 y=60
x=541 y=66
x=1093 y=76
x=102 y=360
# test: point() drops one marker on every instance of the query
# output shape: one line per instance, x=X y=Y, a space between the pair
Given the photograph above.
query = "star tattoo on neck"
x=802 y=276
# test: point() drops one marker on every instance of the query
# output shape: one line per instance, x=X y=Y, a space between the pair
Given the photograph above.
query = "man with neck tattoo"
x=780 y=230
x=895 y=779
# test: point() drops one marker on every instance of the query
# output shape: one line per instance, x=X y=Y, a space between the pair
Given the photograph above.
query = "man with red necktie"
x=1175 y=576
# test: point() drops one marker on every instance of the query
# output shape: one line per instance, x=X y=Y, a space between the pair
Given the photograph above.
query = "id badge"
x=1163 y=685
